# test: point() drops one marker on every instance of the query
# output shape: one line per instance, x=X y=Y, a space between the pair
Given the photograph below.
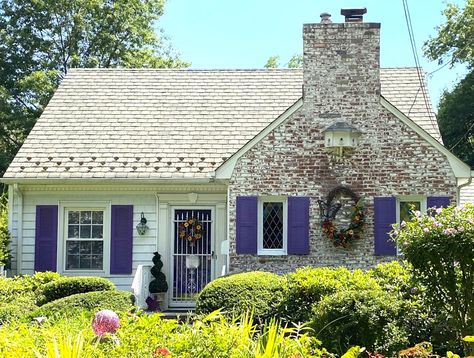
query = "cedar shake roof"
x=146 y=123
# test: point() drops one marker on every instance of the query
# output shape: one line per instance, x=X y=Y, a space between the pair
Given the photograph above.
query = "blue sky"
x=245 y=33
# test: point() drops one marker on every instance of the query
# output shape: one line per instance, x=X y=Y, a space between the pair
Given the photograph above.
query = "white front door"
x=192 y=253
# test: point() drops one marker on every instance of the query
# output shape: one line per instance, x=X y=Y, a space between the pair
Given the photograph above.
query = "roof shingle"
x=139 y=124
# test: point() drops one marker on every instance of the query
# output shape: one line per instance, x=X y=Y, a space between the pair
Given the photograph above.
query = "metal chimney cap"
x=354 y=15
x=325 y=18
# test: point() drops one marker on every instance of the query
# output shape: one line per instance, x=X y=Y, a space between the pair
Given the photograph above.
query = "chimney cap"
x=325 y=18
x=354 y=15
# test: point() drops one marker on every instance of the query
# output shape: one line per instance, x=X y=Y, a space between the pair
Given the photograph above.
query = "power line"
x=417 y=64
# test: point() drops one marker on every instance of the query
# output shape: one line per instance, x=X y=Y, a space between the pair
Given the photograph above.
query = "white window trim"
x=260 y=249
x=64 y=207
x=423 y=208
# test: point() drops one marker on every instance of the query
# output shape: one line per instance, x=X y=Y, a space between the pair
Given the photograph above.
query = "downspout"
x=460 y=186
x=19 y=229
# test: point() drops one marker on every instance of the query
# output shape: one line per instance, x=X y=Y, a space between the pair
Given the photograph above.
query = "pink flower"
x=161 y=352
x=439 y=210
x=426 y=230
x=105 y=321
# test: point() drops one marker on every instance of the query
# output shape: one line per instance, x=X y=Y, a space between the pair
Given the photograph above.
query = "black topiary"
x=159 y=284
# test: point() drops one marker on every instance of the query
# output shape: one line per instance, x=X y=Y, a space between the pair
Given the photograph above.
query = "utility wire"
x=417 y=64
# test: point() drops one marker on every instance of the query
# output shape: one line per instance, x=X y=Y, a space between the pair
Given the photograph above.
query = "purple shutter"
x=298 y=225
x=385 y=214
x=121 y=241
x=437 y=201
x=246 y=224
x=46 y=237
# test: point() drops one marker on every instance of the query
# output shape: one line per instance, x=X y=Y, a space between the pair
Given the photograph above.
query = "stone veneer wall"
x=341 y=82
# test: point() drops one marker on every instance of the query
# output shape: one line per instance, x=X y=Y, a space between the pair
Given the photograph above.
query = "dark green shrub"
x=158 y=284
x=369 y=318
x=5 y=237
x=86 y=303
x=257 y=291
x=68 y=286
x=309 y=285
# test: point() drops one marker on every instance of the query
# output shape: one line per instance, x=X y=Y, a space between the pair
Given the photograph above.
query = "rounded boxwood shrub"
x=87 y=303
x=308 y=285
x=369 y=318
x=68 y=286
x=16 y=309
x=257 y=291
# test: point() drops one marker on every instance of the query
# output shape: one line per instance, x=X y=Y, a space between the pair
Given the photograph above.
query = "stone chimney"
x=341 y=67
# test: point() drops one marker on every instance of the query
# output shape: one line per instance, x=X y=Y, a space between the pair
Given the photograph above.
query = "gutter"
x=19 y=231
x=96 y=181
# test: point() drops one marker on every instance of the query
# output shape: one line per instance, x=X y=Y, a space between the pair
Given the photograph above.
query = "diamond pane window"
x=84 y=241
x=273 y=225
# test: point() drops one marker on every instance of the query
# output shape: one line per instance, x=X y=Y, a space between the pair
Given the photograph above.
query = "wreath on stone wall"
x=342 y=237
x=190 y=230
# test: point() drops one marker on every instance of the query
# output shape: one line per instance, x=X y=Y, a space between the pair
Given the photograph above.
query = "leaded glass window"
x=272 y=225
x=85 y=240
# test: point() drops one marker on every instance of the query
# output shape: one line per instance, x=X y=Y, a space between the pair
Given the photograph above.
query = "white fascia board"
x=225 y=170
x=460 y=169
x=97 y=181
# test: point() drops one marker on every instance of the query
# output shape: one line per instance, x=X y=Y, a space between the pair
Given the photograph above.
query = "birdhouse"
x=340 y=137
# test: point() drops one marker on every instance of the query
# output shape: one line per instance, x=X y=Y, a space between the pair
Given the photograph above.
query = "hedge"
x=257 y=291
x=68 y=286
x=308 y=285
x=86 y=303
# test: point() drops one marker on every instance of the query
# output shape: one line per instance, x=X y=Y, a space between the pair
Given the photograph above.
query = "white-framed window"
x=408 y=204
x=272 y=225
x=85 y=244
x=406 y=207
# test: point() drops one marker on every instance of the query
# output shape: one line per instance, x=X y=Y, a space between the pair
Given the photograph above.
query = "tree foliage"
x=40 y=40
x=455 y=38
x=440 y=247
x=296 y=61
x=456 y=119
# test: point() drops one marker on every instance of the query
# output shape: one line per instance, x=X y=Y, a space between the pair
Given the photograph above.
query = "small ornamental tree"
x=159 y=284
x=440 y=247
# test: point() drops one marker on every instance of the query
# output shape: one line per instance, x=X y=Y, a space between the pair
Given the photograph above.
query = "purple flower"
x=426 y=230
x=105 y=321
x=438 y=210
x=436 y=224
x=450 y=231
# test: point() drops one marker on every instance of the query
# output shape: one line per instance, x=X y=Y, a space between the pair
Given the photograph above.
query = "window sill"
x=271 y=253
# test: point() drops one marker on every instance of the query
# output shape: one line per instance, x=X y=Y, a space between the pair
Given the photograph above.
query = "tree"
x=455 y=38
x=296 y=61
x=40 y=40
x=456 y=119
x=440 y=248
x=454 y=43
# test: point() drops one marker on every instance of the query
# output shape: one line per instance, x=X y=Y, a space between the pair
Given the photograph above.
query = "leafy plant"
x=258 y=292
x=86 y=303
x=158 y=284
x=5 y=237
x=309 y=285
x=67 y=286
x=440 y=247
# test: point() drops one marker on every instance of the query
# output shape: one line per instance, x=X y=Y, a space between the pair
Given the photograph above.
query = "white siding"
x=143 y=246
x=467 y=194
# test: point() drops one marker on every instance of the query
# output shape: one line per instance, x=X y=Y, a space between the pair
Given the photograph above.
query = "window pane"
x=72 y=247
x=73 y=217
x=85 y=261
x=86 y=217
x=97 y=217
x=407 y=208
x=85 y=232
x=97 y=247
x=273 y=225
x=73 y=231
x=72 y=262
x=85 y=247
x=97 y=231
x=96 y=262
